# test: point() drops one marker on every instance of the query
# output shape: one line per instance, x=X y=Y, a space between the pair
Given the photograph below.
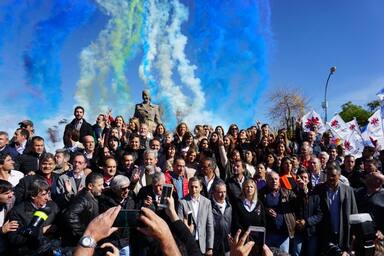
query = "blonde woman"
x=248 y=210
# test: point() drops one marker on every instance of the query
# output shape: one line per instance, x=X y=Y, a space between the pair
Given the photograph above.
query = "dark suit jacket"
x=85 y=129
x=348 y=206
x=208 y=193
x=308 y=208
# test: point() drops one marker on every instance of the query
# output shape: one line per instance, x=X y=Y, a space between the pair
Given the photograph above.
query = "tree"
x=350 y=110
x=287 y=104
x=373 y=105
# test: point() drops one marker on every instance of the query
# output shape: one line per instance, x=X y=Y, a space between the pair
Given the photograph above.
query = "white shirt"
x=15 y=177
x=209 y=182
x=21 y=148
x=195 y=211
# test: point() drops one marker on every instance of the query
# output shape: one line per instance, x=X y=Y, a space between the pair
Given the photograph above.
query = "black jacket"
x=22 y=213
x=308 y=208
x=222 y=225
x=242 y=219
x=108 y=199
x=22 y=189
x=85 y=129
x=234 y=189
x=28 y=162
x=78 y=215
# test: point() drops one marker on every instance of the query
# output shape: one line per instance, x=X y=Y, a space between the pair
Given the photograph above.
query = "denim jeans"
x=278 y=241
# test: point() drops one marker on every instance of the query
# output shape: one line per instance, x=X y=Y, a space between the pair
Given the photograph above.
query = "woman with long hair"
x=160 y=132
x=260 y=175
x=287 y=178
x=250 y=161
x=181 y=130
x=271 y=162
x=220 y=131
x=281 y=150
x=233 y=130
x=248 y=210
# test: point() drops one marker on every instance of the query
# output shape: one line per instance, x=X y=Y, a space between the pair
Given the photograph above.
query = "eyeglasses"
x=124 y=188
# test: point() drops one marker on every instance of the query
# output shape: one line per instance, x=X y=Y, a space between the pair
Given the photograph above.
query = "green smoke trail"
x=103 y=82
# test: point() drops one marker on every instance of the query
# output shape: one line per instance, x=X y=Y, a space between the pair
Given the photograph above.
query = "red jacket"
x=169 y=180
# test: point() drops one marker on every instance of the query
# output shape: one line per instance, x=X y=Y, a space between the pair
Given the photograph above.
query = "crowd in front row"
x=299 y=187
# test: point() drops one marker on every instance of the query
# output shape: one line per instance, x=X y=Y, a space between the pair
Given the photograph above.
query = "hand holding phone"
x=166 y=192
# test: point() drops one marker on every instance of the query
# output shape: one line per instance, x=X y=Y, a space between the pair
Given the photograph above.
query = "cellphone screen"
x=127 y=219
x=190 y=218
x=167 y=192
x=257 y=237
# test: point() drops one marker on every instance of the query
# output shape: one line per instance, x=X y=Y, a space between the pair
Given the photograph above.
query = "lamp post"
x=325 y=103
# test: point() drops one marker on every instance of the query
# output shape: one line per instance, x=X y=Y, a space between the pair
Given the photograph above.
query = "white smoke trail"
x=164 y=46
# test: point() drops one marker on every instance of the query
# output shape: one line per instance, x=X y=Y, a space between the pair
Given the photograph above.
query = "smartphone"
x=257 y=234
x=127 y=219
x=190 y=219
x=167 y=192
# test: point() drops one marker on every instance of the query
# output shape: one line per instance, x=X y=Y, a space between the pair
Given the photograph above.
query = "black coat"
x=85 y=129
x=22 y=213
x=78 y=215
x=222 y=224
x=108 y=199
x=234 y=189
x=28 y=162
x=242 y=219
x=22 y=189
x=308 y=208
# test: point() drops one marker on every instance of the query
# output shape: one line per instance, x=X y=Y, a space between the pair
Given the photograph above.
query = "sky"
x=212 y=61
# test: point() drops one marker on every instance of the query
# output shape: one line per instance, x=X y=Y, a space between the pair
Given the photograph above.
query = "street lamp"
x=325 y=103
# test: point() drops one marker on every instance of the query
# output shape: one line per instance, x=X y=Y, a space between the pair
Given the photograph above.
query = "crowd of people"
x=299 y=187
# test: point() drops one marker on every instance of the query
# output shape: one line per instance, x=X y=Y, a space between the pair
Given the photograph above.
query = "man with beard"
x=83 y=209
x=79 y=124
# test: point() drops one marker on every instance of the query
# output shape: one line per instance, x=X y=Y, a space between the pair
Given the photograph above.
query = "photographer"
x=33 y=236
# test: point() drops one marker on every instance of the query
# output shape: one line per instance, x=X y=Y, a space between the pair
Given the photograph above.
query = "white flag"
x=354 y=126
x=375 y=129
x=338 y=127
x=311 y=120
x=354 y=144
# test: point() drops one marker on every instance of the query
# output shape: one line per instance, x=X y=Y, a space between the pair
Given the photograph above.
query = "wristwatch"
x=87 y=242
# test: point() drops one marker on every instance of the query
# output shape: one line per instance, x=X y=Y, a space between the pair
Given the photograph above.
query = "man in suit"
x=79 y=124
x=70 y=183
x=146 y=112
x=208 y=176
x=337 y=202
x=201 y=208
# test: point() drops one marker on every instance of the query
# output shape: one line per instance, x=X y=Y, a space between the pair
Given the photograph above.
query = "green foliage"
x=350 y=110
x=373 y=105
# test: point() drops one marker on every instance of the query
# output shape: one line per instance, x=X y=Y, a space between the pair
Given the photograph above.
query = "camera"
x=364 y=230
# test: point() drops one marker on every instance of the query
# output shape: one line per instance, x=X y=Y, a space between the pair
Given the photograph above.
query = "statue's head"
x=146 y=95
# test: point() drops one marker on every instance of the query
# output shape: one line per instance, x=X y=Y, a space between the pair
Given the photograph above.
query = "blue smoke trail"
x=230 y=40
x=42 y=58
